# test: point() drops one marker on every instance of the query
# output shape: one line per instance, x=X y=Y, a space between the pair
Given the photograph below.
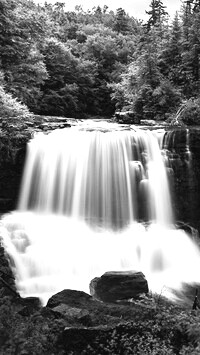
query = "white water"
x=83 y=195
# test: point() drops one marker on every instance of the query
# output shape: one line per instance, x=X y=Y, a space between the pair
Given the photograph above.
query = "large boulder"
x=116 y=285
x=82 y=340
x=71 y=298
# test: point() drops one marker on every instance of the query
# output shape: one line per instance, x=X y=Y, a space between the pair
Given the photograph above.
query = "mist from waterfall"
x=94 y=201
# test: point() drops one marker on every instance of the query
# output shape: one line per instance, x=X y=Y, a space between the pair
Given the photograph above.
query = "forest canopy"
x=79 y=63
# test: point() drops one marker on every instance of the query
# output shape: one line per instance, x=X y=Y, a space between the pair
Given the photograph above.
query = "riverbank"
x=73 y=323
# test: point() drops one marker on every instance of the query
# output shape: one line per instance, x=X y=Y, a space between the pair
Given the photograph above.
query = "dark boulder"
x=114 y=286
x=77 y=339
x=99 y=340
x=73 y=314
x=71 y=298
x=28 y=305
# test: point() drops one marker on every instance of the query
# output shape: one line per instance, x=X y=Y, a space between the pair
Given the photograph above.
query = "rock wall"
x=183 y=147
x=12 y=157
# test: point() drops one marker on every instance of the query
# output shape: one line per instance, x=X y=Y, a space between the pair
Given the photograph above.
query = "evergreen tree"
x=156 y=14
x=82 y=62
x=121 y=21
x=196 y=5
x=190 y=66
x=170 y=57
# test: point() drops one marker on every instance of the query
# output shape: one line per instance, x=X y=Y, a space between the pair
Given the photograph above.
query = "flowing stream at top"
x=84 y=193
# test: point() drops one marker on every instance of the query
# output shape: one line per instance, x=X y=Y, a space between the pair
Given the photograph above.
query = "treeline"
x=77 y=63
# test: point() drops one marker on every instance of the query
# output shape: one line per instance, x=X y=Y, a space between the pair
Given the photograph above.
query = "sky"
x=135 y=8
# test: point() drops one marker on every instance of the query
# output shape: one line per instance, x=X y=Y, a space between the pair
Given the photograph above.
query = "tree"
x=70 y=87
x=170 y=56
x=190 y=66
x=121 y=21
x=196 y=7
x=20 y=58
x=157 y=14
x=144 y=87
x=12 y=112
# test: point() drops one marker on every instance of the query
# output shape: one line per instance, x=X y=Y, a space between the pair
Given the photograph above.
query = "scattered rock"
x=28 y=305
x=77 y=338
x=148 y=122
x=114 y=286
x=52 y=126
x=7 y=280
x=71 y=298
x=49 y=123
x=126 y=117
x=94 y=340
x=73 y=313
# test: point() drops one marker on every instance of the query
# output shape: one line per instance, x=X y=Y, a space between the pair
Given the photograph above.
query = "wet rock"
x=49 y=123
x=52 y=126
x=114 y=286
x=7 y=280
x=183 y=147
x=78 y=338
x=127 y=117
x=48 y=313
x=12 y=157
x=95 y=340
x=79 y=315
x=28 y=305
x=71 y=298
x=148 y=122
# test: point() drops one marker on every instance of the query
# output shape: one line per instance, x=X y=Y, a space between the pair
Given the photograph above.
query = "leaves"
x=96 y=61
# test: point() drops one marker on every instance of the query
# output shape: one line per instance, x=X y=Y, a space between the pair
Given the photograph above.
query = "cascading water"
x=97 y=176
x=83 y=195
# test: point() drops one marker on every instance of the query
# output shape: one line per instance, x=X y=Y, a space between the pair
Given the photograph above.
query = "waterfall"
x=102 y=177
x=93 y=201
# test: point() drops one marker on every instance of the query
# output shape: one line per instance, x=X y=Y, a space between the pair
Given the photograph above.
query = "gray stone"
x=73 y=313
x=114 y=286
x=71 y=298
x=127 y=117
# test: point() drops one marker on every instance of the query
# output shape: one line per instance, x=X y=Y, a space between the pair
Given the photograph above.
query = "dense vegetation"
x=58 y=62
x=150 y=326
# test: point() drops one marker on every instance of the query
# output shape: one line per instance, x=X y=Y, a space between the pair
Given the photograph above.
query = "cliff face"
x=12 y=156
x=183 y=147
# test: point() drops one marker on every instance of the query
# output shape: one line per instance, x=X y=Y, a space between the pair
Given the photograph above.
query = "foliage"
x=151 y=325
x=189 y=112
x=11 y=108
x=165 y=71
x=79 y=63
x=156 y=14
x=121 y=21
x=21 y=61
x=27 y=335
x=156 y=103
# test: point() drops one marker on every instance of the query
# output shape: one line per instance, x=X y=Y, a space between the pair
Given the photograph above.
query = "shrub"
x=156 y=103
x=10 y=108
x=13 y=114
x=189 y=112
